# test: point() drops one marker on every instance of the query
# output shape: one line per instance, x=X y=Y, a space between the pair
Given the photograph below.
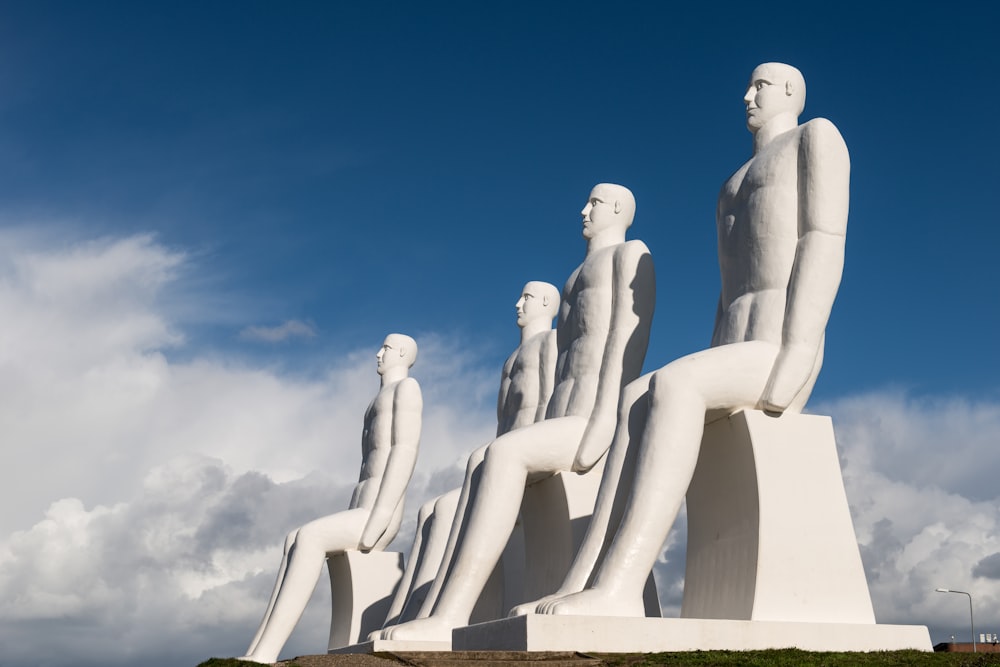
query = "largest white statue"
x=602 y=333
x=782 y=219
x=389 y=445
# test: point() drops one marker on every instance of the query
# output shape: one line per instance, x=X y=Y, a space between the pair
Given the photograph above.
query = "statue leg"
x=680 y=394
x=289 y=541
x=472 y=473
x=433 y=553
x=408 y=584
x=544 y=447
x=614 y=491
x=302 y=565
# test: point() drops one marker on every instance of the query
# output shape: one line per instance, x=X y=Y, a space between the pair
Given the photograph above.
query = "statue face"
x=599 y=213
x=769 y=94
x=530 y=306
x=391 y=354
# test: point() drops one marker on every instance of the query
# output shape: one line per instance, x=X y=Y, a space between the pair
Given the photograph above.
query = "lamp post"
x=972 y=621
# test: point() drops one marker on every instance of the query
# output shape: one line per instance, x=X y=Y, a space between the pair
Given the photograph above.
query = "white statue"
x=526 y=384
x=603 y=331
x=389 y=445
x=781 y=219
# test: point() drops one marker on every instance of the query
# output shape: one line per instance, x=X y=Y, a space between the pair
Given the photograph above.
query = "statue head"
x=775 y=89
x=397 y=351
x=609 y=206
x=539 y=301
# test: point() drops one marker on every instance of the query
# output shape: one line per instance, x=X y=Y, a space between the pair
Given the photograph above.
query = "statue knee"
x=501 y=457
x=290 y=539
x=307 y=538
x=668 y=381
x=633 y=391
x=476 y=457
x=426 y=510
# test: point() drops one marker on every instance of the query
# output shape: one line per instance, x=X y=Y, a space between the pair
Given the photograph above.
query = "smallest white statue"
x=525 y=387
x=389 y=446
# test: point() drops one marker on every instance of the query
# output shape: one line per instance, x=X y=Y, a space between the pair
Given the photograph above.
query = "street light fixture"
x=972 y=621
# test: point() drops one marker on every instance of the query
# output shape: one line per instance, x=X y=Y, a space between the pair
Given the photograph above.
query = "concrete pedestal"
x=772 y=559
x=600 y=634
x=770 y=536
x=362 y=586
x=556 y=513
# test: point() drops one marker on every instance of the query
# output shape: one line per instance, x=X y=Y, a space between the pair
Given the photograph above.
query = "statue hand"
x=791 y=371
x=596 y=441
x=373 y=531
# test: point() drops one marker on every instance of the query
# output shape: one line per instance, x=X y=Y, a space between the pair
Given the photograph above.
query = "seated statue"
x=602 y=333
x=526 y=384
x=781 y=220
x=389 y=444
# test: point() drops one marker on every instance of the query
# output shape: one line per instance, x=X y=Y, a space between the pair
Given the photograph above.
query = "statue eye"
x=760 y=84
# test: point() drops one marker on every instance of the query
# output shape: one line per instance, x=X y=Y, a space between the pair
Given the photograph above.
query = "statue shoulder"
x=632 y=251
x=408 y=393
x=819 y=134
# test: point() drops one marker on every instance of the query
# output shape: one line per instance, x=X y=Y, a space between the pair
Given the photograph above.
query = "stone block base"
x=362 y=586
x=391 y=646
x=603 y=634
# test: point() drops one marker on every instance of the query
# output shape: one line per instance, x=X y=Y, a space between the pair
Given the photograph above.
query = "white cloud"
x=152 y=496
x=921 y=480
x=280 y=333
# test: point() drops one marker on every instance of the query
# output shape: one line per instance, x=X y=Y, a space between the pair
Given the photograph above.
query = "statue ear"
x=545 y=300
x=402 y=351
x=618 y=206
x=789 y=89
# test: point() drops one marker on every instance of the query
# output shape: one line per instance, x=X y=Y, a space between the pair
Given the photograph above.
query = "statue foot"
x=375 y=634
x=532 y=607
x=594 y=602
x=432 y=628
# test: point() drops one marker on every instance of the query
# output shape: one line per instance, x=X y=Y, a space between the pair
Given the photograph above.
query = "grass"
x=773 y=658
x=797 y=658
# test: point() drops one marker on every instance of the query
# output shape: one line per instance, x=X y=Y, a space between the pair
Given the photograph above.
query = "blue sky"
x=355 y=169
x=410 y=167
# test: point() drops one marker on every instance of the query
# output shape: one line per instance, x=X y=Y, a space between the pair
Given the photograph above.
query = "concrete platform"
x=391 y=646
x=447 y=659
x=604 y=634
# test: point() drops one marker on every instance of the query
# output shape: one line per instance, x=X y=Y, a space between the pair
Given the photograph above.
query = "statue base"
x=391 y=646
x=362 y=586
x=770 y=536
x=608 y=634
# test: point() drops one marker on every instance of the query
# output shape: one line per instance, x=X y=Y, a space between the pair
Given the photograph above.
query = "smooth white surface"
x=778 y=544
x=608 y=634
x=554 y=515
x=433 y=525
x=526 y=384
x=781 y=222
x=362 y=585
x=603 y=330
x=389 y=443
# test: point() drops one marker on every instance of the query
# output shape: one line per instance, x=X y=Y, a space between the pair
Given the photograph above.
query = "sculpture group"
x=572 y=401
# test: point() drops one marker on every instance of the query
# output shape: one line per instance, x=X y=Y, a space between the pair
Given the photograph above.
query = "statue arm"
x=824 y=177
x=502 y=394
x=407 y=409
x=634 y=295
x=718 y=323
x=546 y=373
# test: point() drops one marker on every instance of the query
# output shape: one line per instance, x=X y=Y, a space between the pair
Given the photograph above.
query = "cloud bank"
x=146 y=499
x=278 y=334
